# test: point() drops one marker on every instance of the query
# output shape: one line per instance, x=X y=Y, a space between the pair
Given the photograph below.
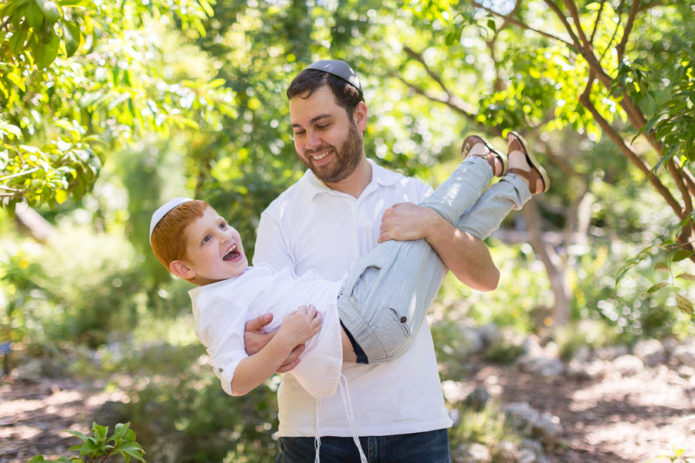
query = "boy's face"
x=213 y=249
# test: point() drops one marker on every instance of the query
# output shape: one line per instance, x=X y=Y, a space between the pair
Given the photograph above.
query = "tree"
x=621 y=69
x=81 y=79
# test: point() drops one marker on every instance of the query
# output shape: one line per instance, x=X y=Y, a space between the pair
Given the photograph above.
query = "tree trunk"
x=31 y=221
x=554 y=265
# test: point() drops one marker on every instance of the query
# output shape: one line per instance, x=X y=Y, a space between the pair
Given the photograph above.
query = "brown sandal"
x=537 y=172
x=492 y=156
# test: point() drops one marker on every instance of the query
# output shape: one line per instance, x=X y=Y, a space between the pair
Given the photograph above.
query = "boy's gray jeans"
x=388 y=291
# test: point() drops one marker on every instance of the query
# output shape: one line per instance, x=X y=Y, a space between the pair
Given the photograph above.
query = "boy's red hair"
x=168 y=241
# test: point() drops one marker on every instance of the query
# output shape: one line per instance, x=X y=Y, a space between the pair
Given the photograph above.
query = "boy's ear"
x=181 y=269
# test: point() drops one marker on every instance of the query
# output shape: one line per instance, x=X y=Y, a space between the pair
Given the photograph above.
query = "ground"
x=610 y=417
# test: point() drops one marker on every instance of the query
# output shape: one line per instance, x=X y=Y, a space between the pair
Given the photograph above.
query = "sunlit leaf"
x=654 y=288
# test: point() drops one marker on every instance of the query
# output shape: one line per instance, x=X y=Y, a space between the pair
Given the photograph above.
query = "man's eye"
x=323 y=126
x=298 y=134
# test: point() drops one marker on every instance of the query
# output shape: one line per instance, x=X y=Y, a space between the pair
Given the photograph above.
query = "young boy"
x=381 y=302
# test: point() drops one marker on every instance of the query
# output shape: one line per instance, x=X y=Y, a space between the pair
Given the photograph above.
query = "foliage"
x=20 y=278
x=81 y=78
x=486 y=426
x=677 y=455
x=99 y=446
x=176 y=402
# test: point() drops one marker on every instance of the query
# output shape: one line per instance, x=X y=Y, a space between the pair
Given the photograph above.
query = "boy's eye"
x=207 y=238
x=223 y=225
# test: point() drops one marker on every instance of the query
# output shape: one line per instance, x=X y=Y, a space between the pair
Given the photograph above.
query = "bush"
x=178 y=408
x=100 y=447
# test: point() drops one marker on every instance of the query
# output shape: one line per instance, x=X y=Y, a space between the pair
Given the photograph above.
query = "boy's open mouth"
x=233 y=254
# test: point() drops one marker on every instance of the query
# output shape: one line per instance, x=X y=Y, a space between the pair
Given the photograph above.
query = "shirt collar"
x=313 y=186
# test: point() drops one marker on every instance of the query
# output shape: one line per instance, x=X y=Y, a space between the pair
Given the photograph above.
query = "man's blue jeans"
x=422 y=447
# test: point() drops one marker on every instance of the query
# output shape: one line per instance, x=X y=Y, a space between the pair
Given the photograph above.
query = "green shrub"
x=99 y=446
x=175 y=398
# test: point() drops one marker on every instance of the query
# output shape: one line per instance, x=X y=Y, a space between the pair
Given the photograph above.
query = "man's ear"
x=360 y=115
x=181 y=269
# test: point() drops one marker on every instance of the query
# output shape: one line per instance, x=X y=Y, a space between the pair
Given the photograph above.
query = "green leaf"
x=660 y=266
x=684 y=304
x=33 y=14
x=682 y=255
x=686 y=276
x=654 y=288
x=71 y=37
x=50 y=10
x=61 y=196
x=18 y=40
x=46 y=53
x=492 y=25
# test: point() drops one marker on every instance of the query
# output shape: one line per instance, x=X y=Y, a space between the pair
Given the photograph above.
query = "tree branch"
x=598 y=20
x=575 y=17
x=634 y=9
x=561 y=16
x=680 y=183
x=419 y=58
x=451 y=101
x=585 y=99
x=524 y=25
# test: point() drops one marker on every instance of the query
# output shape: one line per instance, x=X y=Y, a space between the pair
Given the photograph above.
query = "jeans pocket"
x=401 y=320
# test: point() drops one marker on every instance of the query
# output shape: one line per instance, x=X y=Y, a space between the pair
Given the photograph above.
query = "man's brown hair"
x=168 y=241
x=309 y=80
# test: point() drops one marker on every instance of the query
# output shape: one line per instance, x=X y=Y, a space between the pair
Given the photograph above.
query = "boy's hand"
x=255 y=339
x=301 y=325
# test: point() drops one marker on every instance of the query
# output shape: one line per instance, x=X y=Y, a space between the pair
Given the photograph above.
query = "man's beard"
x=347 y=158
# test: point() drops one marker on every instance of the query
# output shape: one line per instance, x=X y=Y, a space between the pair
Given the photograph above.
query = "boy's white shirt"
x=310 y=226
x=220 y=311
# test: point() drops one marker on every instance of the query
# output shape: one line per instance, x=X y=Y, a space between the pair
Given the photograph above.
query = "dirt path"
x=611 y=418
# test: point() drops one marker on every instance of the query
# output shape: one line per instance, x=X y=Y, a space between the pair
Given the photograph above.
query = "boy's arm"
x=465 y=255
x=255 y=338
x=297 y=328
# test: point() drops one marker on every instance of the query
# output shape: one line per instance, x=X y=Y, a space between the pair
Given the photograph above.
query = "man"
x=325 y=221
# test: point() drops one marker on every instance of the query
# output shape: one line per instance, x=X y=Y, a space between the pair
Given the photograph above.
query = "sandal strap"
x=532 y=176
x=492 y=156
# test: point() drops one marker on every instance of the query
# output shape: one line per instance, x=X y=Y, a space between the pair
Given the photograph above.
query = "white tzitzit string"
x=317 y=436
x=347 y=404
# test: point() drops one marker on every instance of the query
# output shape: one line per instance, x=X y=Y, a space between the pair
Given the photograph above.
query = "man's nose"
x=312 y=140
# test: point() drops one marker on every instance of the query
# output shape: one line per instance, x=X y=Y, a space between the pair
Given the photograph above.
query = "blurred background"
x=111 y=108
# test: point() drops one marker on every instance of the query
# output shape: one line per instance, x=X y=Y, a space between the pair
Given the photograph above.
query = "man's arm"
x=465 y=255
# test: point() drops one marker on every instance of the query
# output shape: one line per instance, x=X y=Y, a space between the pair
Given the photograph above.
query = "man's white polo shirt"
x=310 y=226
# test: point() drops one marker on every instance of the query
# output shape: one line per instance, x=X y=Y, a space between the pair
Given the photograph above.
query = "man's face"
x=213 y=249
x=327 y=141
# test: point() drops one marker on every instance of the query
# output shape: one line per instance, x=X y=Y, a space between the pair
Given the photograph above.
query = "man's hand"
x=255 y=339
x=407 y=222
x=465 y=255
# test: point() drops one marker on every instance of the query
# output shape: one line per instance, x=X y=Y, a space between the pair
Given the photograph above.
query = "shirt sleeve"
x=221 y=330
x=271 y=244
